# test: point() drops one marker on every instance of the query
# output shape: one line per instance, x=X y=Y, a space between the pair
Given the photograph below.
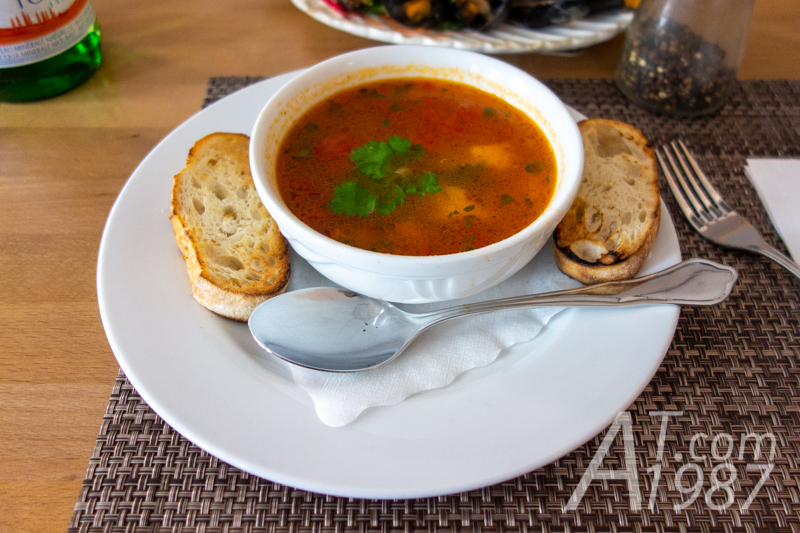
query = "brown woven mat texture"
x=731 y=373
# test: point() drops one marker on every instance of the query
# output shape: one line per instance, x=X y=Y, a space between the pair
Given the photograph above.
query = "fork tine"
x=675 y=188
x=690 y=178
x=696 y=209
x=712 y=192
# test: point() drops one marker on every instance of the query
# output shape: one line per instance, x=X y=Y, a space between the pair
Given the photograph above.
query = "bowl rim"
x=377 y=262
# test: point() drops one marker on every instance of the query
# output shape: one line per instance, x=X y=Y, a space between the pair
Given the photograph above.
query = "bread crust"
x=209 y=285
x=589 y=274
x=620 y=165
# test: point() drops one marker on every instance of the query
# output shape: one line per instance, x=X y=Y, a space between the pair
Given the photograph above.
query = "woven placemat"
x=732 y=372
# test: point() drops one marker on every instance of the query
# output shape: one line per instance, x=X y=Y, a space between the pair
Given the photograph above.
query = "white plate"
x=504 y=39
x=206 y=377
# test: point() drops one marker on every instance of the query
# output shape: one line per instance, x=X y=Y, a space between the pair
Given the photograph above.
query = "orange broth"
x=495 y=168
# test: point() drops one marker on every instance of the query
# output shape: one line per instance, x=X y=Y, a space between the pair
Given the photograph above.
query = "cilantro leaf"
x=402 y=90
x=370 y=189
x=399 y=145
x=352 y=199
x=384 y=207
x=303 y=154
x=414 y=153
x=383 y=245
x=534 y=167
x=423 y=184
x=430 y=183
x=335 y=108
x=372 y=158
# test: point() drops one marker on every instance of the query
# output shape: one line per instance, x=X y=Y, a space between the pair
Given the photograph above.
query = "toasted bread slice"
x=611 y=227
x=235 y=254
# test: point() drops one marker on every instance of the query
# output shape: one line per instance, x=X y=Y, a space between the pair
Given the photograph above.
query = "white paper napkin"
x=441 y=353
x=777 y=182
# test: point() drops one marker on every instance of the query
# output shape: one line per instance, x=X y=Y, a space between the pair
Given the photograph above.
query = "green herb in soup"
x=377 y=187
x=416 y=166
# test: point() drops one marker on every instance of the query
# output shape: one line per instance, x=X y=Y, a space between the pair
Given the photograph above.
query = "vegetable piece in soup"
x=415 y=166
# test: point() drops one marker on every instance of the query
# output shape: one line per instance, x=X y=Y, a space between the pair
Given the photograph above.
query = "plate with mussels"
x=488 y=26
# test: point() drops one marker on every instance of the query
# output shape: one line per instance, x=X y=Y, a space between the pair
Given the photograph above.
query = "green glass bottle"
x=46 y=47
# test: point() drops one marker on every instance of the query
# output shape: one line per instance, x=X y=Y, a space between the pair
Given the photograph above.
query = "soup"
x=416 y=166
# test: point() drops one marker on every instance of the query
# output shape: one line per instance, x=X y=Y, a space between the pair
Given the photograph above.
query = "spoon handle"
x=692 y=282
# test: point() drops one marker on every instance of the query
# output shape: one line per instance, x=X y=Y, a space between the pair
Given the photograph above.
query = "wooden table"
x=63 y=162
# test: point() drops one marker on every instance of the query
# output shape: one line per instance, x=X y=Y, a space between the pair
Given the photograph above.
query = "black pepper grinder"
x=681 y=56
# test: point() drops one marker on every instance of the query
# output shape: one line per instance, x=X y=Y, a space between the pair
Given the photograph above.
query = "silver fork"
x=707 y=211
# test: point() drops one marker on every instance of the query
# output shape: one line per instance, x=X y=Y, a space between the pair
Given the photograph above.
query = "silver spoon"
x=337 y=330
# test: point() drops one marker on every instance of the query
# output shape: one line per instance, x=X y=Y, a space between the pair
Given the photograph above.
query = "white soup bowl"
x=413 y=279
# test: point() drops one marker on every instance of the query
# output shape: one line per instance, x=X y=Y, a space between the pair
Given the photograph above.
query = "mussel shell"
x=420 y=13
x=481 y=14
x=598 y=6
x=541 y=13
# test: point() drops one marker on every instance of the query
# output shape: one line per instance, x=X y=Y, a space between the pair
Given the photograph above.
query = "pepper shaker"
x=681 y=56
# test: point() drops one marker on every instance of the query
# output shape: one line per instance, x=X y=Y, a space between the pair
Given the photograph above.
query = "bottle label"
x=33 y=30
